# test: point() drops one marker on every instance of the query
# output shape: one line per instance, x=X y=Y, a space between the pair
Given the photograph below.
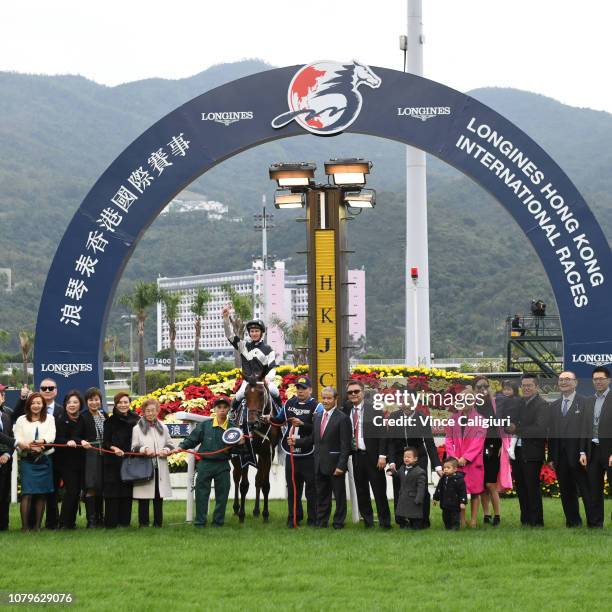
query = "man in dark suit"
x=369 y=457
x=531 y=428
x=331 y=437
x=566 y=437
x=417 y=434
x=596 y=453
x=7 y=446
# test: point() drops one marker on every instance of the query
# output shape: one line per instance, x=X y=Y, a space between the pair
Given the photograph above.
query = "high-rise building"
x=273 y=292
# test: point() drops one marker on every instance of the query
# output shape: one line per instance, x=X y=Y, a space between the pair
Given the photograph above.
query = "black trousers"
x=526 y=476
x=52 y=511
x=5 y=494
x=118 y=512
x=596 y=468
x=451 y=518
x=158 y=507
x=304 y=478
x=72 y=491
x=366 y=475
x=573 y=479
x=326 y=485
x=422 y=463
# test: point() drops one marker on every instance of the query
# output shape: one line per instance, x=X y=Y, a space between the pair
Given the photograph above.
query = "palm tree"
x=242 y=306
x=143 y=296
x=26 y=343
x=295 y=334
x=4 y=338
x=171 y=303
x=110 y=347
x=198 y=308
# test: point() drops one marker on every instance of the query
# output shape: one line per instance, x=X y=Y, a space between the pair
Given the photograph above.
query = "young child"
x=509 y=408
x=413 y=487
x=451 y=494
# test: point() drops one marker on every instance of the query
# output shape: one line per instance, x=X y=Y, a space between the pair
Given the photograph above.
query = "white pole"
x=14 y=472
x=264 y=253
x=190 y=491
x=415 y=305
x=417 y=345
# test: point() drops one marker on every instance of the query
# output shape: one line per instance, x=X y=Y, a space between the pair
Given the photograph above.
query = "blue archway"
x=225 y=121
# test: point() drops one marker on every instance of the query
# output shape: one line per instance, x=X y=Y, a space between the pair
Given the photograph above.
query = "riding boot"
x=99 y=512
x=90 y=511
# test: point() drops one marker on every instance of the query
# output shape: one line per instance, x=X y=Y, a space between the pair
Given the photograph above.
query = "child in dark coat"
x=413 y=487
x=451 y=494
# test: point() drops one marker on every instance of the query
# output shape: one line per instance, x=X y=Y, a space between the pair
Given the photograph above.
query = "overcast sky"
x=557 y=48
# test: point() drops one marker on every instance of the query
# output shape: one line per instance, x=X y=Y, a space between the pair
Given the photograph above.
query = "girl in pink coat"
x=465 y=438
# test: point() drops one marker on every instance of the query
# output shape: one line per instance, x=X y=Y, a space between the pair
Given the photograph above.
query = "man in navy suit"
x=331 y=436
x=566 y=437
x=596 y=453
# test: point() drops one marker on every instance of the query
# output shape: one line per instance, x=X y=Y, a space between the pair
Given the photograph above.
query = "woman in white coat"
x=151 y=437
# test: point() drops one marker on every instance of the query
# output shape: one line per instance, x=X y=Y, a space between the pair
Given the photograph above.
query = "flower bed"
x=197 y=395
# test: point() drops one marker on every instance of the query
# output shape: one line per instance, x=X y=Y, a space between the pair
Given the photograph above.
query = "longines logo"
x=66 y=369
x=593 y=359
x=227 y=117
x=423 y=112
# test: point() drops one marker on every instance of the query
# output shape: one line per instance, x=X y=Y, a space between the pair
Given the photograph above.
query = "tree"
x=242 y=306
x=110 y=347
x=26 y=343
x=295 y=334
x=4 y=338
x=199 y=308
x=143 y=296
x=170 y=303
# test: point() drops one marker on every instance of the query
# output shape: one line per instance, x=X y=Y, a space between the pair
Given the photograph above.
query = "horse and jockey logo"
x=324 y=97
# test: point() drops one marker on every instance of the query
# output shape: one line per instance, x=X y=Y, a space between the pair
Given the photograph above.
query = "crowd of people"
x=79 y=450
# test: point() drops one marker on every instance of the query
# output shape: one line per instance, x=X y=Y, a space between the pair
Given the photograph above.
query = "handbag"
x=136 y=469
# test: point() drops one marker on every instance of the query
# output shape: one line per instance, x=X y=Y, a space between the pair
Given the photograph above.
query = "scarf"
x=146 y=425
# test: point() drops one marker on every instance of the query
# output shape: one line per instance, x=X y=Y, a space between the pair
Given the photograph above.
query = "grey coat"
x=413 y=487
x=156 y=441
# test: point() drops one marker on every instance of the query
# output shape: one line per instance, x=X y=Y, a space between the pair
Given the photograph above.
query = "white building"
x=286 y=297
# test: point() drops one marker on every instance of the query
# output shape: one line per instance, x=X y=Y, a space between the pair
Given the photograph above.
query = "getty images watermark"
x=406 y=414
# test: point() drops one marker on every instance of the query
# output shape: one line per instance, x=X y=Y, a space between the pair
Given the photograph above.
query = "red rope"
x=197 y=455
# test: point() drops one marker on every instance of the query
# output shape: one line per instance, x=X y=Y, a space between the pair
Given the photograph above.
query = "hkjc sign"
x=322 y=99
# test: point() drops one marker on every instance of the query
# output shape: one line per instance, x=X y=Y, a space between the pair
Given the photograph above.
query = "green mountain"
x=58 y=134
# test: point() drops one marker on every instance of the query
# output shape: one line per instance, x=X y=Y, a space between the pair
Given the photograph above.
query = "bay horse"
x=257 y=403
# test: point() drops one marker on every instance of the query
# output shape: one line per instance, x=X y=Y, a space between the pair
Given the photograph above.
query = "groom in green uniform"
x=213 y=466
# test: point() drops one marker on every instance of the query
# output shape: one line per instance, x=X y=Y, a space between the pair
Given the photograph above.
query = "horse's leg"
x=244 y=488
x=236 y=476
x=257 y=490
x=263 y=479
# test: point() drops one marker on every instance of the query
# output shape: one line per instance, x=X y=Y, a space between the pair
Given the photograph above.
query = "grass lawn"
x=259 y=566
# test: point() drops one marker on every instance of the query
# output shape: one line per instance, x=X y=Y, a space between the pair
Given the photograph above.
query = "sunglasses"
x=353 y=392
x=48 y=388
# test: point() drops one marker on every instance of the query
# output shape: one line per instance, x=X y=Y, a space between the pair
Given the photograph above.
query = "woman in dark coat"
x=118 y=438
x=69 y=462
x=93 y=432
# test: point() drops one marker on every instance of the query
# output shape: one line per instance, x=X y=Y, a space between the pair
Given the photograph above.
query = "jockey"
x=257 y=357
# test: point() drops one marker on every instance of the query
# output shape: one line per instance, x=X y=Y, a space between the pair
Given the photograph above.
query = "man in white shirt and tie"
x=566 y=435
x=332 y=445
x=369 y=457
